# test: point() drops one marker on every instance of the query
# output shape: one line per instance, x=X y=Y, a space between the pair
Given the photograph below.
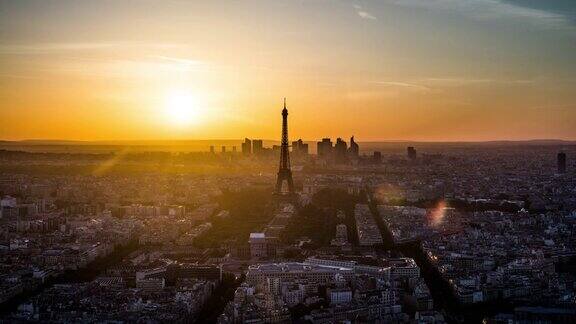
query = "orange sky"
x=379 y=70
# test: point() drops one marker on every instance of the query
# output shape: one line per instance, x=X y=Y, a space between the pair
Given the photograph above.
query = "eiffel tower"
x=284 y=172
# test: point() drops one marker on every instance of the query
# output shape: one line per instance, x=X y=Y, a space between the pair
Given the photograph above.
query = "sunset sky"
x=380 y=70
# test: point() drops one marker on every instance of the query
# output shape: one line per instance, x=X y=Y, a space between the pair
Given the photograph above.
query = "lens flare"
x=437 y=214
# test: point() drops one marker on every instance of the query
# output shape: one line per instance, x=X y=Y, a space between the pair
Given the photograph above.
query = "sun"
x=182 y=108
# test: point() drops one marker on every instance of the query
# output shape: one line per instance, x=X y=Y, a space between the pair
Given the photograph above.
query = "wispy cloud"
x=554 y=107
x=71 y=58
x=459 y=81
x=406 y=85
x=130 y=68
x=362 y=13
x=54 y=48
x=435 y=84
x=48 y=48
x=483 y=10
x=183 y=61
x=18 y=76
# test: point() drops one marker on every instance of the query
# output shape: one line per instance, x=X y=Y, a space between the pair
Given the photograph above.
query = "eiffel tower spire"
x=284 y=172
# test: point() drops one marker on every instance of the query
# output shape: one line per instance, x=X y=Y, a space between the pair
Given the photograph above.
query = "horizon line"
x=75 y=141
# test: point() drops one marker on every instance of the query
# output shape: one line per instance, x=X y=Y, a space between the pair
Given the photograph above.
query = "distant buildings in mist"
x=561 y=161
x=340 y=152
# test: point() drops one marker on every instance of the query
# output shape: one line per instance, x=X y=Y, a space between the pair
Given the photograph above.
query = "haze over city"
x=449 y=70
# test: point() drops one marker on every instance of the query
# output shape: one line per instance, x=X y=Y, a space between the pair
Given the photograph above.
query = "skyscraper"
x=411 y=153
x=247 y=147
x=299 y=147
x=212 y=149
x=354 y=149
x=377 y=157
x=284 y=172
x=340 y=149
x=561 y=161
x=223 y=149
x=324 y=148
x=257 y=146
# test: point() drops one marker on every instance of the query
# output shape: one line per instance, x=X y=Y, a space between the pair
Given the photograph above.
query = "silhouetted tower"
x=257 y=146
x=299 y=148
x=340 y=148
x=377 y=157
x=284 y=172
x=324 y=148
x=561 y=160
x=354 y=149
x=247 y=147
x=411 y=153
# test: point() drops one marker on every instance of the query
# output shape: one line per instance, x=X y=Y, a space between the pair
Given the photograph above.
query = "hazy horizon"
x=169 y=141
x=184 y=146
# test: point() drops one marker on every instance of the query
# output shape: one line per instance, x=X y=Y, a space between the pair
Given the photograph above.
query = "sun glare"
x=182 y=108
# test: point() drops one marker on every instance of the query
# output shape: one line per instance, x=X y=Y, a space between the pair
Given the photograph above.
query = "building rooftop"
x=257 y=235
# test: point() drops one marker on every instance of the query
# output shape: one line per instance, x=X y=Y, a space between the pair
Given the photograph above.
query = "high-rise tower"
x=284 y=172
x=354 y=149
x=561 y=162
x=411 y=152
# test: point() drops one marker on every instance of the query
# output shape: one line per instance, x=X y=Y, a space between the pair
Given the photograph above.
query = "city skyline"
x=473 y=70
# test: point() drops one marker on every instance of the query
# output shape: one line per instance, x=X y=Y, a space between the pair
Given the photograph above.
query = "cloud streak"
x=183 y=61
x=473 y=81
x=485 y=10
x=433 y=85
x=406 y=85
x=362 y=13
x=54 y=48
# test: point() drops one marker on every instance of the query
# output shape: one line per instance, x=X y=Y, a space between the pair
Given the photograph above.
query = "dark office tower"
x=284 y=172
x=303 y=147
x=377 y=157
x=295 y=148
x=247 y=147
x=212 y=149
x=223 y=149
x=340 y=148
x=257 y=146
x=299 y=147
x=234 y=149
x=354 y=149
x=411 y=153
x=561 y=162
x=324 y=148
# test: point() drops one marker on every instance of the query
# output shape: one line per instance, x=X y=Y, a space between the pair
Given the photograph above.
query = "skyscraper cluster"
x=339 y=152
x=254 y=146
x=299 y=148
